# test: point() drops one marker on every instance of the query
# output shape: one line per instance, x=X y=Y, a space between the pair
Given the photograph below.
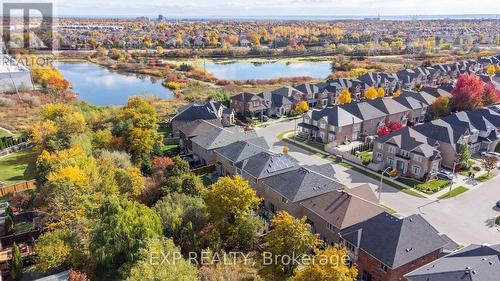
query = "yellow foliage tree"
x=491 y=70
x=285 y=149
x=371 y=93
x=345 y=96
x=380 y=92
x=396 y=93
x=302 y=107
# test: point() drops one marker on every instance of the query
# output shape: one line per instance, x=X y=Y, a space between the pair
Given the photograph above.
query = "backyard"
x=17 y=167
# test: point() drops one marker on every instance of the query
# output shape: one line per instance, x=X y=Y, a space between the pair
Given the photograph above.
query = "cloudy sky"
x=249 y=8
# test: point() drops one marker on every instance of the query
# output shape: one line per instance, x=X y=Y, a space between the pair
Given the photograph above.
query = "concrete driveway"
x=467 y=218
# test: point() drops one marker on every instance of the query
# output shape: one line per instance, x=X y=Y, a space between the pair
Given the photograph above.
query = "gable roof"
x=199 y=126
x=345 y=208
x=274 y=100
x=193 y=111
x=394 y=241
x=472 y=263
x=219 y=137
x=309 y=89
x=409 y=139
x=243 y=149
x=301 y=184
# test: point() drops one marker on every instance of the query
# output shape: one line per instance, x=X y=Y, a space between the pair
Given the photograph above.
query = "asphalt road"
x=467 y=218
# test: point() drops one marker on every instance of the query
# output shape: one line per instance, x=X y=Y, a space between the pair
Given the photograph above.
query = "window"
x=417 y=158
x=379 y=156
x=435 y=167
x=330 y=226
x=390 y=161
x=284 y=200
x=322 y=125
x=332 y=128
x=392 y=149
x=350 y=247
x=380 y=145
x=383 y=267
x=366 y=276
x=404 y=153
x=415 y=170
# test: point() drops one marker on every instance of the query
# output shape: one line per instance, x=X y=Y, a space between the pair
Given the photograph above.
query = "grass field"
x=454 y=192
x=17 y=167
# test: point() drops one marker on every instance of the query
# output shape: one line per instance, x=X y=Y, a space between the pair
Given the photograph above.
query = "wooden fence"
x=203 y=170
x=18 y=187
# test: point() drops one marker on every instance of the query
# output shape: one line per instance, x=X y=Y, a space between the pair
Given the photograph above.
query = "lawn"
x=17 y=167
x=454 y=192
x=205 y=180
x=365 y=156
x=165 y=148
x=429 y=187
x=485 y=177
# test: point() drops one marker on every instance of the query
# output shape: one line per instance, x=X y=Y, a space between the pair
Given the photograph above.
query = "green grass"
x=24 y=227
x=485 y=177
x=168 y=147
x=205 y=180
x=432 y=186
x=18 y=167
x=454 y=192
x=365 y=156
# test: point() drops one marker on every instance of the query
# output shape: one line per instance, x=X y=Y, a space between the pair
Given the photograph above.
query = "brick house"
x=248 y=104
x=213 y=111
x=226 y=157
x=410 y=152
x=386 y=247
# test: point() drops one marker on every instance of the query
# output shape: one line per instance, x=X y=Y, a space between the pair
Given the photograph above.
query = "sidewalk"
x=470 y=184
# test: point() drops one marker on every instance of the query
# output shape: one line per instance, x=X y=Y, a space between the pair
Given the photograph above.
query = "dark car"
x=498 y=204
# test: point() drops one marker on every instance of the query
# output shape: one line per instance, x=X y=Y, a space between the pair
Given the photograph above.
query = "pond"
x=100 y=86
x=243 y=70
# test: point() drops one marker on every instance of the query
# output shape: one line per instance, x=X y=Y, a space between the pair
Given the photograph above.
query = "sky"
x=276 y=8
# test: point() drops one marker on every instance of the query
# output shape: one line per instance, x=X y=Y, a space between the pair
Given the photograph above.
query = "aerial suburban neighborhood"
x=277 y=140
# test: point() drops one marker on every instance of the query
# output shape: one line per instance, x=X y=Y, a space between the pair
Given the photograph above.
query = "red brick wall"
x=371 y=265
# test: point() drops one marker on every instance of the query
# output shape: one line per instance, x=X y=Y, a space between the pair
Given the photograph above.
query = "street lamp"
x=381 y=181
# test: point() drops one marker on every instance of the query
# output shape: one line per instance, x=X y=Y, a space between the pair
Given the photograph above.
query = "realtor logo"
x=27 y=26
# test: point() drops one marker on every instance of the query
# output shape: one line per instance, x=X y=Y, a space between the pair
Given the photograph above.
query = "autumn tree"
x=440 y=107
x=290 y=237
x=123 y=228
x=371 y=93
x=490 y=163
x=230 y=203
x=491 y=95
x=285 y=149
x=467 y=93
x=302 y=107
x=491 y=70
x=58 y=248
x=329 y=264
x=396 y=94
x=160 y=259
x=380 y=92
x=345 y=96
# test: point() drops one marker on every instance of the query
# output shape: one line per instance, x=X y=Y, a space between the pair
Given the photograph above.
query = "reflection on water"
x=100 y=86
x=267 y=70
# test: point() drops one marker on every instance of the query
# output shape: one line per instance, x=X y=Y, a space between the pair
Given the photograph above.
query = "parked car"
x=489 y=154
x=498 y=204
x=265 y=118
x=443 y=174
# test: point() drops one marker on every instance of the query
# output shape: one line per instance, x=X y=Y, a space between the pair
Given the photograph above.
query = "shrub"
x=497 y=221
x=5 y=102
x=174 y=85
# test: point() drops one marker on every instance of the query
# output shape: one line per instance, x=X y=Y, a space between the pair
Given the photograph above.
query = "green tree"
x=191 y=184
x=123 y=228
x=464 y=155
x=152 y=266
x=183 y=218
x=288 y=237
x=9 y=224
x=58 y=248
x=17 y=263
x=178 y=168
x=220 y=96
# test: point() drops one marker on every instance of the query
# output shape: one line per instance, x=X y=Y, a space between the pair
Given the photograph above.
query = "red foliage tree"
x=21 y=200
x=468 y=93
x=491 y=95
x=383 y=131
x=394 y=126
x=158 y=166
